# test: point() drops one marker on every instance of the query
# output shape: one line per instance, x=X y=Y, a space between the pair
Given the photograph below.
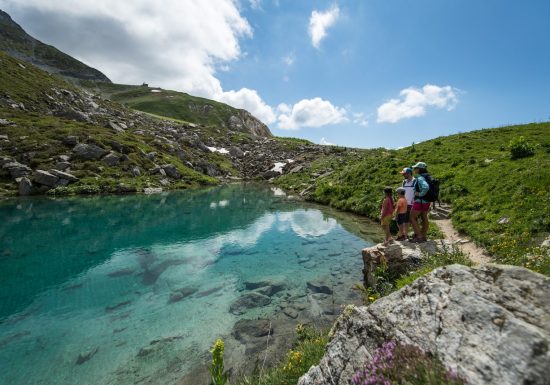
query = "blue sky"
x=357 y=73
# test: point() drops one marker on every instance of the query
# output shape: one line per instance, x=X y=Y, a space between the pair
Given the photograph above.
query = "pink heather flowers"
x=396 y=364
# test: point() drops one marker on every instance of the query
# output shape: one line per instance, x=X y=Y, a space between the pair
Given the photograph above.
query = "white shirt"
x=409 y=187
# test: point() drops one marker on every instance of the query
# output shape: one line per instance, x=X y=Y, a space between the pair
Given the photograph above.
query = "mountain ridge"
x=15 y=41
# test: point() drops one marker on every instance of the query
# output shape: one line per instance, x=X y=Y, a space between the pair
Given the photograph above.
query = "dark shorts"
x=402 y=218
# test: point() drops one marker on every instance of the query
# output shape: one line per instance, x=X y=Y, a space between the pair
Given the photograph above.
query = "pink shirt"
x=387 y=207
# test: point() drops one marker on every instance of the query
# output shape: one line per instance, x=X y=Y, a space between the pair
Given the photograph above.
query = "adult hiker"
x=421 y=205
x=409 y=184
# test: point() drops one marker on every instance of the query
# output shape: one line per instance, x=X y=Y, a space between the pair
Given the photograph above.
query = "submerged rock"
x=319 y=286
x=249 y=301
x=86 y=355
x=179 y=294
x=245 y=329
x=490 y=324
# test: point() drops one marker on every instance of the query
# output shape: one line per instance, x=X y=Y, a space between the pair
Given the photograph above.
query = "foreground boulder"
x=490 y=324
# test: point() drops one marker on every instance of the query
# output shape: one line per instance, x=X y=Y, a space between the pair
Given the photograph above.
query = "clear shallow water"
x=134 y=289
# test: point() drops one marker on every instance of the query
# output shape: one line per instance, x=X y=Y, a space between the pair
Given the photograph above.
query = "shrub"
x=308 y=350
x=399 y=364
x=520 y=148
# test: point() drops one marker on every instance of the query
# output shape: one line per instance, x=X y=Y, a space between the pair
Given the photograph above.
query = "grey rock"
x=70 y=140
x=152 y=190
x=249 y=301
x=63 y=158
x=71 y=114
x=270 y=174
x=489 y=324
x=5 y=122
x=116 y=127
x=208 y=169
x=125 y=189
x=62 y=182
x=45 y=178
x=88 y=151
x=136 y=171
x=171 y=171
x=62 y=166
x=17 y=169
x=64 y=175
x=151 y=155
x=4 y=137
x=503 y=221
x=111 y=159
x=296 y=169
x=182 y=155
x=25 y=186
x=157 y=170
x=236 y=152
x=546 y=242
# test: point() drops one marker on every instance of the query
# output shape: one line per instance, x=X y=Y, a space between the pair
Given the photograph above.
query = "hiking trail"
x=478 y=255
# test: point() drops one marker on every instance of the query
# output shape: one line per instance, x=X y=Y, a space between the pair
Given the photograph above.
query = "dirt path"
x=477 y=254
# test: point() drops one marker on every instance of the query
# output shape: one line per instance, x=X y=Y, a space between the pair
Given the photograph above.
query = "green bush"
x=520 y=148
x=308 y=351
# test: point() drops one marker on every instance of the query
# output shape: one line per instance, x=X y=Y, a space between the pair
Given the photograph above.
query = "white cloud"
x=319 y=22
x=249 y=100
x=175 y=44
x=324 y=142
x=289 y=59
x=255 y=4
x=413 y=102
x=314 y=112
x=360 y=119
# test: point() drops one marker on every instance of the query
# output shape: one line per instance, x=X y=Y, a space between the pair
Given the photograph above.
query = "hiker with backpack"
x=426 y=192
x=409 y=185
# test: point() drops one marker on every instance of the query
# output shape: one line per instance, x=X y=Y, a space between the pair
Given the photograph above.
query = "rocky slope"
x=15 y=41
x=57 y=138
x=490 y=324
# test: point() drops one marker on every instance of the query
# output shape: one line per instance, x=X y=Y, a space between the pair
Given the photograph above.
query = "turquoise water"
x=134 y=289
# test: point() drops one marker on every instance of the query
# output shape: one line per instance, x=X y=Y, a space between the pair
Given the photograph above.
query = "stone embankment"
x=490 y=324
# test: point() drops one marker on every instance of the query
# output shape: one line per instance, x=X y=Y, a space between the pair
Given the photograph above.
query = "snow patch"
x=278 y=167
x=156 y=91
x=220 y=150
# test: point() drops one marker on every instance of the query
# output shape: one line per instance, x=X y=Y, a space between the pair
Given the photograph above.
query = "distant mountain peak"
x=18 y=43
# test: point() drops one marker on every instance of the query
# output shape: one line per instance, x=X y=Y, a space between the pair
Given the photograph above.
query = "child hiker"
x=402 y=214
x=386 y=214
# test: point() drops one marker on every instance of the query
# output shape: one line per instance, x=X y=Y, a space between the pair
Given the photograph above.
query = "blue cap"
x=407 y=170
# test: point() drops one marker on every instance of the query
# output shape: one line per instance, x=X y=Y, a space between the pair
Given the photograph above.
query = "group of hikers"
x=414 y=197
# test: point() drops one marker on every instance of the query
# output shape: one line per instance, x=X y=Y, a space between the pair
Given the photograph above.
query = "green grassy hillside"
x=42 y=111
x=478 y=177
x=175 y=105
x=15 y=41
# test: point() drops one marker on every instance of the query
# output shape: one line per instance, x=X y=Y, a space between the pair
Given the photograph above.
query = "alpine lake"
x=136 y=289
